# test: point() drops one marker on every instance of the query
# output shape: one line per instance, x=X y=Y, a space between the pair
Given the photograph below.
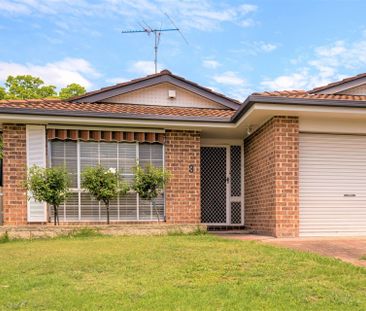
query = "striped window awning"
x=102 y=135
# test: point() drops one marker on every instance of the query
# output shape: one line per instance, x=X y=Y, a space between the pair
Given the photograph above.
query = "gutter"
x=130 y=116
x=231 y=122
x=253 y=99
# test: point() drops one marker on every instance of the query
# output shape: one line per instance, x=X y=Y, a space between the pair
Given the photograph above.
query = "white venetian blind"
x=36 y=155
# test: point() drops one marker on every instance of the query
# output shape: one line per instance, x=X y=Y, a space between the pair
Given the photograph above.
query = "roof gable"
x=158 y=95
x=162 y=77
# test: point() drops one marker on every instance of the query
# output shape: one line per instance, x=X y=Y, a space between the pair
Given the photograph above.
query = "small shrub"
x=363 y=257
x=149 y=182
x=50 y=185
x=199 y=231
x=4 y=238
x=84 y=233
x=175 y=232
x=103 y=184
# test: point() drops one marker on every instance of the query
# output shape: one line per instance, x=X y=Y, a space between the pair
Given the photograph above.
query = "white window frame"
x=79 y=190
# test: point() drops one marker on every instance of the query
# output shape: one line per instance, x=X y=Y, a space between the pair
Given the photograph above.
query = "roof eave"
x=252 y=99
x=131 y=116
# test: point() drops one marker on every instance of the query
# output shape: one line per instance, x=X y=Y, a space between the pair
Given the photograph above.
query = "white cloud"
x=210 y=64
x=60 y=73
x=267 y=47
x=247 y=8
x=229 y=78
x=256 y=47
x=203 y=15
x=144 y=67
x=14 y=7
x=328 y=63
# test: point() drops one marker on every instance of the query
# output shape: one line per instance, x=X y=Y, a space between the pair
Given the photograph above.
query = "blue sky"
x=235 y=47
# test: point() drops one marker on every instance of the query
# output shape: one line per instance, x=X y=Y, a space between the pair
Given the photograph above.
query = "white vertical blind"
x=36 y=155
x=121 y=156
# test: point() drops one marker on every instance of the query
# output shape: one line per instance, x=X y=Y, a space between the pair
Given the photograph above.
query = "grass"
x=178 y=272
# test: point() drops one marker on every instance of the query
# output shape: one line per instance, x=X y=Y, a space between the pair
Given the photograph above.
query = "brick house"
x=288 y=163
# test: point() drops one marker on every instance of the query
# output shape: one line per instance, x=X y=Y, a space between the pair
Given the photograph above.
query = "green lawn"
x=172 y=273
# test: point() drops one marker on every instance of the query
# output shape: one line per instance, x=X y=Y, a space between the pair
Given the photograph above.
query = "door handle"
x=227 y=180
x=348 y=195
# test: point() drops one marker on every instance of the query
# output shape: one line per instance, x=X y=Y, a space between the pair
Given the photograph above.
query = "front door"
x=221 y=185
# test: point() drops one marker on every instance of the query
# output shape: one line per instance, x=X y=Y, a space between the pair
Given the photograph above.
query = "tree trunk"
x=107 y=206
x=56 y=218
x=156 y=210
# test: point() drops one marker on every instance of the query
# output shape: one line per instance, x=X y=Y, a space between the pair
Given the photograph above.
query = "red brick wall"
x=271 y=157
x=14 y=173
x=182 y=203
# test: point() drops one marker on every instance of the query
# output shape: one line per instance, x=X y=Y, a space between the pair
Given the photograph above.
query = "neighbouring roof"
x=164 y=76
x=307 y=95
x=59 y=107
x=338 y=83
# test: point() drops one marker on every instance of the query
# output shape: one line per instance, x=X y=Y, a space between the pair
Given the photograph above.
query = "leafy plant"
x=4 y=238
x=50 y=185
x=103 y=184
x=27 y=87
x=149 y=182
x=84 y=233
x=71 y=90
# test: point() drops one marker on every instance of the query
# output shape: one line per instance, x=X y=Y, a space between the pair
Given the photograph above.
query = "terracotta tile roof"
x=307 y=95
x=346 y=80
x=56 y=105
x=161 y=73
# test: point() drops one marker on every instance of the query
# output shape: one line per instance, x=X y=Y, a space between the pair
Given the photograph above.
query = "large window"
x=76 y=156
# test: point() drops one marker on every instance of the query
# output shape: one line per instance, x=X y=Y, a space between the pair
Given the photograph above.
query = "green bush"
x=4 y=238
x=50 y=185
x=149 y=182
x=84 y=233
x=103 y=184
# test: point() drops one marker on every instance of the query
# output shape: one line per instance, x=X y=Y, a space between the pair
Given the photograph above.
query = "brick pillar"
x=182 y=149
x=271 y=157
x=14 y=173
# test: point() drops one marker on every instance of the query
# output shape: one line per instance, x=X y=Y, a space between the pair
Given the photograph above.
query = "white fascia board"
x=91 y=121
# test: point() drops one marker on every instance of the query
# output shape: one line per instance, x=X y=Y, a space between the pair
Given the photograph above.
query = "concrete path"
x=347 y=249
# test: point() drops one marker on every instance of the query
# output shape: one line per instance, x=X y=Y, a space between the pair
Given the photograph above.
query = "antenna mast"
x=157 y=33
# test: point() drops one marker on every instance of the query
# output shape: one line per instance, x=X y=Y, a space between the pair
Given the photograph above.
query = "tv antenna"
x=157 y=34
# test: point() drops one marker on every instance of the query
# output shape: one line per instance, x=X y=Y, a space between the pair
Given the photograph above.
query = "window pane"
x=89 y=208
x=71 y=161
x=88 y=154
x=64 y=154
x=108 y=155
x=127 y=157
x=147 y=212
x=151 y=154
x=128 y=207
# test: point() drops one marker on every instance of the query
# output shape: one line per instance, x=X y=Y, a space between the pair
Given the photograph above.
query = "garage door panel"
x=332 y=175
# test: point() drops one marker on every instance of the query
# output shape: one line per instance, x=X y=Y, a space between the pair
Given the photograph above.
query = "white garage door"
x=332 y=185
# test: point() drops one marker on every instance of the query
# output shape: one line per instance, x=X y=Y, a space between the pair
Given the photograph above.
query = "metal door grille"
x=236 y=212
x=213 y=185
x=222 y=185
x=235 y=185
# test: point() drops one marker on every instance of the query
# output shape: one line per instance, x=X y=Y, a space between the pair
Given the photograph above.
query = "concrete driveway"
x=346 y=249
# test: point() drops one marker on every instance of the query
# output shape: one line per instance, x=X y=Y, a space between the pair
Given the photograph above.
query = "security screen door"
x=221 y=185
